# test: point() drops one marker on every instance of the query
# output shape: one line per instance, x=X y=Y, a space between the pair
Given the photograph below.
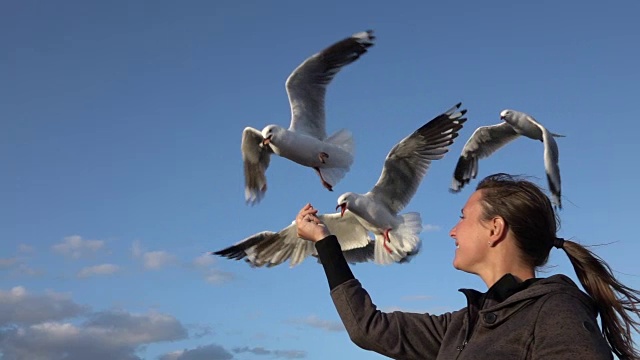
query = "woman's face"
x=472 y=237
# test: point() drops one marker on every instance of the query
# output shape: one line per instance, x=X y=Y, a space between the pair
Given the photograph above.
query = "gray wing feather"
x=484 y=141
x=551 y=158
x=268 y=248
x=356 y=245
x=350 y=233
x=360 y=255
x=408 y=161
x=255 y=159
x=307 y=84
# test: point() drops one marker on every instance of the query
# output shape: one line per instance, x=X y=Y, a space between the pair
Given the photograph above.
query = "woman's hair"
x=528 y=212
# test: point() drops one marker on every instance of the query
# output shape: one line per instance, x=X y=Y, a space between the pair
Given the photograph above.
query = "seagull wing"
x=307 y=84
x=256 y=161
x=483 y=142
x=551 y=167
x=408 y=161
x=268 y=248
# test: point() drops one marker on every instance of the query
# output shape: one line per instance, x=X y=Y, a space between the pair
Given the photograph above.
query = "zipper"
x=467 y=335
x=461 y=347
x=473 y=316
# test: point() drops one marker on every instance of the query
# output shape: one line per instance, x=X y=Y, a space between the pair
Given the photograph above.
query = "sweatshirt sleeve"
x=333 y=261
x=399 y=335
x=566 y=329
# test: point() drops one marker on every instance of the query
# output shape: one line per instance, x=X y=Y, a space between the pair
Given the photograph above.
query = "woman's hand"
x=309 y=226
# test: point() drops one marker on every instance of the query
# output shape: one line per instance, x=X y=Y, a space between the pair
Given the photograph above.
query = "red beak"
x=343 y=208
x=266 y=141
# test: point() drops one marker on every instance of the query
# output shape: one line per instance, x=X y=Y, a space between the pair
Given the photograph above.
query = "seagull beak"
x=343 y=208
x=266 y=141
x=501 y=117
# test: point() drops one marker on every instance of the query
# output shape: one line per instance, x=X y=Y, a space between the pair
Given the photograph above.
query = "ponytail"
x=617 y=303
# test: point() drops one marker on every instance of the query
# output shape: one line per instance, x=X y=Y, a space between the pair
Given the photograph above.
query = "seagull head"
x=343 y=203
x=504 y=114
x=267 y=135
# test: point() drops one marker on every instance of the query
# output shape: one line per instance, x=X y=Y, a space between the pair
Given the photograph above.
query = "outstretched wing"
x=551 y=167
x=360 y=255
x=256 y=161
x=268 y=248
x=350 y=233
x=483 y=142
x=307 y=84
x=408 y=161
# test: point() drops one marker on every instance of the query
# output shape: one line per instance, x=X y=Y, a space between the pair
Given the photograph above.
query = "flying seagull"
x=268 y=248
x=305 y=141
x=396 y=238
x=488 y=139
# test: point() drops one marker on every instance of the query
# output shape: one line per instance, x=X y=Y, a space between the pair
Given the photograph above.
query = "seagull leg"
x=322 y=156
x=324 y=183
x=386 y=240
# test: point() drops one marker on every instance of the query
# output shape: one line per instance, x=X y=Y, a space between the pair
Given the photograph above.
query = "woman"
x=506 y=231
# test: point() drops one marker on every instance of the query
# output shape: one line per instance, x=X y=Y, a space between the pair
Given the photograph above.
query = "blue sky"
x=120 y=129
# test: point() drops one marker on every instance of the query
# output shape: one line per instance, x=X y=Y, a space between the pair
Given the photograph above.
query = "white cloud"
x=284 y=354
x=25 y=249
x=17 y=306
x=318 y=323
x=199 y=330
x=133 y=329
x=102 y=336
x=204 y=263
x=174 y=355
x=430 y=227
x=204 y=260
x=214 y=276
x=208 y=352
x=25 y=269
x=6 y=263
x=155 y=260
x=76 y=247
x=152 y=260
x=136 y=249
x=102 y=269
x=17 y=266
x=217 y=352
x=289 y=354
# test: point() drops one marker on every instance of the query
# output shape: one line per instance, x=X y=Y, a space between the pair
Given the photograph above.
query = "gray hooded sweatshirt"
x=549 y=318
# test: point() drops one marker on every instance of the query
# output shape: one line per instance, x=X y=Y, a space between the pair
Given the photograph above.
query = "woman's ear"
x=497 y=229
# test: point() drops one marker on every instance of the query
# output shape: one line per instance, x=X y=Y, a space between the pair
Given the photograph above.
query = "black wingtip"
x=229 y=253
x=371 y=38
x=453 y=109
x=225 y=253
